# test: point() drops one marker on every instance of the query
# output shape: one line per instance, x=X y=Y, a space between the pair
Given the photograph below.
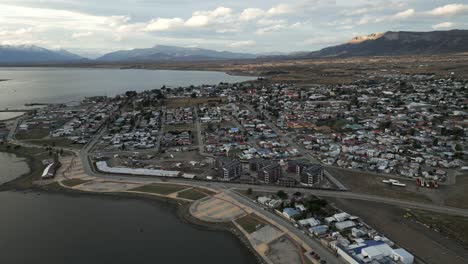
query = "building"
x=344 y=225
x=290 y=213
x=309 y=222
x=287 y=181
x=311 y=174
x=270 y=173
x=50 y=170
x=371 y=251
x=296 y=166
x=228 y=169
x=318 y=230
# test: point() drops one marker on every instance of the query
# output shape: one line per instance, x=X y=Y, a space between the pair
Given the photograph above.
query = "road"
x=288 y=137
x=315 y=245
x=273 y=189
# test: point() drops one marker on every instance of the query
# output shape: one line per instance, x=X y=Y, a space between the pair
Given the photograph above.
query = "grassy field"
x=56 y=142
x=455 y=227
x=185 y=102
x=74 y=182
x=163 y=189
x=191 y=194
x=250 y=223
x=458 y=195
x=362 y=182
x=32 y=134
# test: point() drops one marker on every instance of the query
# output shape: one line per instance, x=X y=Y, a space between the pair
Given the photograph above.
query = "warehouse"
x=103 y=167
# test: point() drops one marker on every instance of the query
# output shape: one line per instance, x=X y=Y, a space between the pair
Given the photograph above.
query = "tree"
x=193 y=95
x=282 y=195
x=249 y=191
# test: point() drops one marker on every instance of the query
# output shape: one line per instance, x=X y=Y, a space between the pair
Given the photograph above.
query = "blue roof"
x=291 y=211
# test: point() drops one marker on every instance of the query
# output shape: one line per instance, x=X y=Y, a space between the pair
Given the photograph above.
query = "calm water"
x=9 y=115
x=59 y=85
x=11 y=167
x=57 y=229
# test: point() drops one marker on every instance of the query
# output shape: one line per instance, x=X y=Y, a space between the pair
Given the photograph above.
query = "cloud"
x=449 y=10
x=79 y=35
x=162 y=24
x=404 y=14
x=390 y=18
x=244 y=43
x=443 y=25
x=251 y=14
x=280 y=9
x=321 y=40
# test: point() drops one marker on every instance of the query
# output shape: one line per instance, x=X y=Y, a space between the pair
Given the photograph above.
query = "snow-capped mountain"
x=18 y=54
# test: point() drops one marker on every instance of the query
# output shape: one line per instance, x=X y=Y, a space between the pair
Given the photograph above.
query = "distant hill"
x=33 y=54
x=398 y=43
x=172 y=53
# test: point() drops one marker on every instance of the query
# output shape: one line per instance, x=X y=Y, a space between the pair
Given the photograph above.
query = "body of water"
x=60 y=85
x=11 y=167
x=9 y=115
x=57 y=229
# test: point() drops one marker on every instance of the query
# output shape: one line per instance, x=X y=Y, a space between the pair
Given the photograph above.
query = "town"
x=287 y=136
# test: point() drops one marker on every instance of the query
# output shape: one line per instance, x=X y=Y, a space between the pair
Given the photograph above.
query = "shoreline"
x=139 y=67
x=24 y=183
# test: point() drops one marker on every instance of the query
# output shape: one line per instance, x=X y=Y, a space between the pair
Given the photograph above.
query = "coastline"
x=142 y=66
x=25 y=183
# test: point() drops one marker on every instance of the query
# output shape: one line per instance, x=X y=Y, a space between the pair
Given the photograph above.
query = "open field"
x=431 y=246
x=454 y=227
x=186 y=102
x=162 y=189
x=457 y=195
x=56 y=142
x=250 y=223
x=369 y=183
x=318 y=70
x=191 y=194
x=32 y=134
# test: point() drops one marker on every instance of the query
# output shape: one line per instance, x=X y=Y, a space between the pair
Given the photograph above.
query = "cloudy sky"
x=91 y=27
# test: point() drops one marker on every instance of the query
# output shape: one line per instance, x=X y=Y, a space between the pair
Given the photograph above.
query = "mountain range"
x=33 y=54
x=398 y=43
x=171 y=53
x=377 y=44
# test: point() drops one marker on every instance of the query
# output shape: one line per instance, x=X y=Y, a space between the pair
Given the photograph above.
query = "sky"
x=92 y=28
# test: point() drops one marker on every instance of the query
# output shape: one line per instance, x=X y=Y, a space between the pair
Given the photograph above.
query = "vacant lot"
x=38 y=133
x=368 y=183
x=191 y=194
x=163 y=189
x=284 y=251
x=457 y=195
x=185 y=102
x=250 y=223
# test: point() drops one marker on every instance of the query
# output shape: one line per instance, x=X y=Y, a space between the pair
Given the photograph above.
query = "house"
x=309 y=222
x=318 y=230
x=291 y=213
x=344 y=225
